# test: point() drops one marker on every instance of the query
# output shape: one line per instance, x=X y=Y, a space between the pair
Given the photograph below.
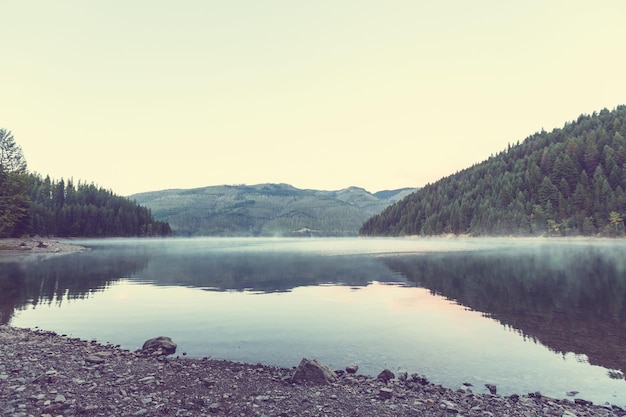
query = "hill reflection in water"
x=571 y=298
x=264 y=272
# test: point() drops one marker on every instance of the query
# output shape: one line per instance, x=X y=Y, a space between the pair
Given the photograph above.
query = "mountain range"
x=266 y=209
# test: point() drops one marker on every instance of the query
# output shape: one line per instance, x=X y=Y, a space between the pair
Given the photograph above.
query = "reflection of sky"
x=376 y=326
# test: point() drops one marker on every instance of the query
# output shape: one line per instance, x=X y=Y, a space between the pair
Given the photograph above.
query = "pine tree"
x=13 y=199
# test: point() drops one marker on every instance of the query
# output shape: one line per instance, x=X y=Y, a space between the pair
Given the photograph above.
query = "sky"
x=146 y=95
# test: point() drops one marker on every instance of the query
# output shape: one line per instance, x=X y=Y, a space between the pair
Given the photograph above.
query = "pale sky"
x=148 y=95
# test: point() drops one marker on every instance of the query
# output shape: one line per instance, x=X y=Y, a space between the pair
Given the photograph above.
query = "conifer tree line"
x=567 y=182
x=32 y=205
x=59 y=208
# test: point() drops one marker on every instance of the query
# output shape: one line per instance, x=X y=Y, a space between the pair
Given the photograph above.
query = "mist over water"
x=524 y=314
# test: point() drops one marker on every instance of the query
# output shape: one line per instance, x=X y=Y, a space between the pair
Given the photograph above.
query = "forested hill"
x=566 y=182
x=60 y=208
x=32 y=205
x=266 y=210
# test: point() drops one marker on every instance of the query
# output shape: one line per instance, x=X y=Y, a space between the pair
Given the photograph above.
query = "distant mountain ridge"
x=266 y=209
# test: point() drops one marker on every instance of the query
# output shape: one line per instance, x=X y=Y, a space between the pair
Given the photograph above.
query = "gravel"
x=46 y=374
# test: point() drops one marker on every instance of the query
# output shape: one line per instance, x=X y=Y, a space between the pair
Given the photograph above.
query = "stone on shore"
x=161 y=345
x=314 y=371
x=385 y=393
x=385 y=375
x=351 y=369
x=95 y=359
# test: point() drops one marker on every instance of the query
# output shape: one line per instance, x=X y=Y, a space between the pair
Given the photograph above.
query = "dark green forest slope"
x=266 y=210
x=57 y=208
x=570 y=181
x=32 y=205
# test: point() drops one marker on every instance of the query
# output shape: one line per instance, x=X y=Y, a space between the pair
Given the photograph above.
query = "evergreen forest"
x=32 y=205
x=59 y=208
x=567 y=182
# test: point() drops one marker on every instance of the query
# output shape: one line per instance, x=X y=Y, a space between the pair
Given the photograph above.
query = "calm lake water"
x=527 y=315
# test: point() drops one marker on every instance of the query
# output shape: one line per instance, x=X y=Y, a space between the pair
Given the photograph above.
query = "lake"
x=526 y=315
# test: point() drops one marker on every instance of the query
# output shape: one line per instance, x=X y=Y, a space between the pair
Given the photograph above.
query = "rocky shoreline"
x=13 y=246
x=46 y=374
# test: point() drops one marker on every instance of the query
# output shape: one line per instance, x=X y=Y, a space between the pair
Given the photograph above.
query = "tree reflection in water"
x=571 y=298
x=38 y=279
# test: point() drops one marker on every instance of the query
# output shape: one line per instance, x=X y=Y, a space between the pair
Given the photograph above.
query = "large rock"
x=161 y=344
x=385 y=375
x=314 y=371
x=351 y=369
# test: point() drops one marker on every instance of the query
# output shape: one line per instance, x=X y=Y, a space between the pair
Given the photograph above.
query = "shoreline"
x=15 y=246
x=44 y=373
